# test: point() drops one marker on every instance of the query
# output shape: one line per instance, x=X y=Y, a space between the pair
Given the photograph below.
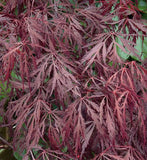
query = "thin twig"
x=7 y=143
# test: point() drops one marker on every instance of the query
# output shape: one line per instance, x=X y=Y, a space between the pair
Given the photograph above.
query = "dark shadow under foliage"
x=72 y=95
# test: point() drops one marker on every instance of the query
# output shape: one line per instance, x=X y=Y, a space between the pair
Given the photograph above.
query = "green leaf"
x=144 y=15
x=17 y=156
x=122 y=54
x=142 y=5
x=83 y=23
x=72 y=2
x=1 y=119
x=64 y=149
x=141 y=46
x=144 y=56
x=1 y=150
x=4 y=90
x=16 y=11
x=110 y=63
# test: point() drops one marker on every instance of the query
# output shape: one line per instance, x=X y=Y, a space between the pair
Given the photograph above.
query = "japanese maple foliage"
x=73 y=96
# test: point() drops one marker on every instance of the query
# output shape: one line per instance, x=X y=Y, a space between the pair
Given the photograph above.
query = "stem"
x=7 y=143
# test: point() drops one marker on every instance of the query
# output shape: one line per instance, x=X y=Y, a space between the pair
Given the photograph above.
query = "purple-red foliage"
x=66 y=100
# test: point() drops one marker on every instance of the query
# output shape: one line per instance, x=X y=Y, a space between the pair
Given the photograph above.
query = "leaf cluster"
x=75 y=78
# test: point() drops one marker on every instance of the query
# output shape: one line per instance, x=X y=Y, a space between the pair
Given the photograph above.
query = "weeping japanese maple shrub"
x=78 y=79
